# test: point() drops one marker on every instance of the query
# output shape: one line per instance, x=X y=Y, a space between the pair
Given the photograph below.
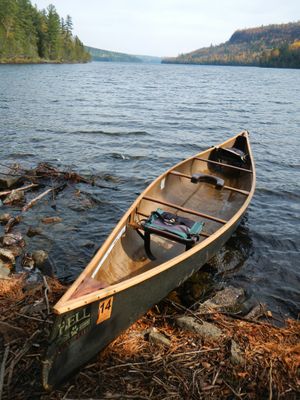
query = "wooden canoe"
x=121 y=282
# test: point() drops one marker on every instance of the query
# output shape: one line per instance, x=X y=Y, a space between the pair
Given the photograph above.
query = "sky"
x=167 y=27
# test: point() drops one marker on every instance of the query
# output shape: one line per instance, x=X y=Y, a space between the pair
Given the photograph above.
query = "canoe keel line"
x=122 y=282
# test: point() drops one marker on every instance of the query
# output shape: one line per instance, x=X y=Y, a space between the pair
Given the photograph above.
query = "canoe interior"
x=126 y=258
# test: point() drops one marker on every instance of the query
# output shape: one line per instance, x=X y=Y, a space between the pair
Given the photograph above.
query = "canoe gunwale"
x=66 y=303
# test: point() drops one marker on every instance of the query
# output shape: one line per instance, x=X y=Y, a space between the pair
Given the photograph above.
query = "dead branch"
x=47 y=289
x=2 y=370
x=23 y=188
x=36 y=199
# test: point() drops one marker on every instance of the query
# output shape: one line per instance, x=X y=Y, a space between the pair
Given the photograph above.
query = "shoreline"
x=171 y=352
x=34 y=62
x=198 y=342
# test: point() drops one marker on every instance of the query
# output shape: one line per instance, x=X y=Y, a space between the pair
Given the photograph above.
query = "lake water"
x=126 y=123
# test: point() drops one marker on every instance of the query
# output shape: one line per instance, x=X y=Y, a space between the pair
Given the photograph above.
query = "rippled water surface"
x=126 y=123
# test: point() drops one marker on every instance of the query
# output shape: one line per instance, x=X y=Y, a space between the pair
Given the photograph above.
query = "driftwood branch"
x=47 y=289
x=36 y=199
x=23 y=188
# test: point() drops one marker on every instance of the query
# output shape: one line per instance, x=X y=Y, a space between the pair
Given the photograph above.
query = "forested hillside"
x=30 y=35
x=267 y=46
x=106 y=55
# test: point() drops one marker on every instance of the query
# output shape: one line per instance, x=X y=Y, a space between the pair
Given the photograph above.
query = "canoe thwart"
x=185 y=210
x=218 y=182
x=244 y=192
x=223 y=164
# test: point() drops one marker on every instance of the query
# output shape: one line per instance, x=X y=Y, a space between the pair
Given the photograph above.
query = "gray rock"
x=158 y=338
x=7 y=255
x=236 y=354
x=51 y=220
x=4 y=218
x=15 y=197
x=42 y=262
x=11 y=239
x=205 y=329
x=4 y=270
x=227 y=299
x=39 y=257
x=257 y=311
x=34 y=231
x=7 y=181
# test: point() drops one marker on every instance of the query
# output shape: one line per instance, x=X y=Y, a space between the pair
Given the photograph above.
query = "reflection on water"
x=126 y=123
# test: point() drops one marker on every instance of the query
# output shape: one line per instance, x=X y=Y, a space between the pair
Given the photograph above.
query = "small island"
x=28 y=35
x=276 y=46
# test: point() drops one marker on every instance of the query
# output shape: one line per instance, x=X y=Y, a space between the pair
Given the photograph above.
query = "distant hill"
x=106 y=55
x=266 y=46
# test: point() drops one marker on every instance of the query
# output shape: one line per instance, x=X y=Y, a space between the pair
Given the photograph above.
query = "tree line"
x=31 y=35
x=269 y=46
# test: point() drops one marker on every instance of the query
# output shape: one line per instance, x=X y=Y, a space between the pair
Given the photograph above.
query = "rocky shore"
x=201 y=342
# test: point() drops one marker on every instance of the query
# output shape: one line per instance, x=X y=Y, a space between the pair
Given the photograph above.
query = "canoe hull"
x=80 y=334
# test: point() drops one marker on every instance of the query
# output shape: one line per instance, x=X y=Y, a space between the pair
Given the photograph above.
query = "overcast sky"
x=167 y=27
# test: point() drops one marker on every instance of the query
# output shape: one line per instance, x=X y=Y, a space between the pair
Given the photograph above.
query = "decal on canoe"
x=162 y=183
x=108 y=251
x=105 y=309
x=71 y=325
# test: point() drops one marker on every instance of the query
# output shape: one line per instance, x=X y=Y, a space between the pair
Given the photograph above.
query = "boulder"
x=42 y=262
x=4 y=270
x=34 y=231
x=7 y=181
x=7 y=256
x=15 y=197
x=39 y=257
x=228 y=299
x=11 y=239
x=256 y=312
x=204 y=329
x=158 y=338
x=4 y=218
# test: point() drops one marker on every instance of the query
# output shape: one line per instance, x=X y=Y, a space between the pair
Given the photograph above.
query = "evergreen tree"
x=27 y=34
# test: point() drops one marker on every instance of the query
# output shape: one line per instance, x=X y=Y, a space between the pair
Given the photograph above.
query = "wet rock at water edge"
x=39 y=257
x=15 y=197
x=4 y=218
x=4 y=270
x=7 y=181
x=51 y=220
x=28 y=262
x=12 y=222
x=257 y=312
x=228 y=299
x=11 y=239
x=42 y=262
x=34 y=231
x=204 y=329
x=7 y=256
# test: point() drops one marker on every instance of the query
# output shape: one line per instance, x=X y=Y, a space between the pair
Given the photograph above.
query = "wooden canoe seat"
x=170 y=226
